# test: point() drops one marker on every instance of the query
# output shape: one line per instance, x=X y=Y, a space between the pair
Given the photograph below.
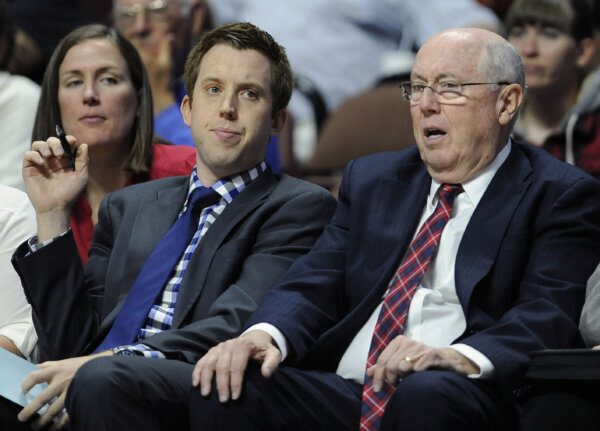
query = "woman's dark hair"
x=573 y=17
x=48 y=116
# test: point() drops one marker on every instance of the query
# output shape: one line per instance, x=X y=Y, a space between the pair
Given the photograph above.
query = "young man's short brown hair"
x=245 y=36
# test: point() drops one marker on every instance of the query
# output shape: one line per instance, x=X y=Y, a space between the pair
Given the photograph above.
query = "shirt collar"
x=228 y=187
x=476 y=186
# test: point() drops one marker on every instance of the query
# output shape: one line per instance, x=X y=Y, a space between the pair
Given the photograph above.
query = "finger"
x=61 y=423
x=51 y=412
x=81 y=156
x=55 y=146
x=33 y=158
x=205 y=372
x=35 y=377
x=37 y=403
x=378 y=377
x=239 y=362
x=271 y=362
x=42 y=148
x=197 y=371
x=223 y=369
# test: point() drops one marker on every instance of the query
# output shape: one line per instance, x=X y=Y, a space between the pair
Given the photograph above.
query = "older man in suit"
x=250 y=225
x=443 y=267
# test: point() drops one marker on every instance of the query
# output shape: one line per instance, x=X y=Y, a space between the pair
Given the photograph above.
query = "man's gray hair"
x=501 y=62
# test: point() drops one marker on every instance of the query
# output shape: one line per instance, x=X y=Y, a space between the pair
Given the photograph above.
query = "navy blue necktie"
x=155 y=273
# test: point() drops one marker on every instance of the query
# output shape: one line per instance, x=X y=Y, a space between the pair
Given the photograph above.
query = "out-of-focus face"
x=150 y=22
x=96 y=96
x=230 y=115
x=550 y=56
x=455 y=140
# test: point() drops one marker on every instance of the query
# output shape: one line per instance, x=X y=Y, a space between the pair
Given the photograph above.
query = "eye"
x=73 y=82
x=213 y=89
x=551 y=32
x=417 y=87
x=250 y=94
x=449 y=86
x=516 y=31
x=109 y=80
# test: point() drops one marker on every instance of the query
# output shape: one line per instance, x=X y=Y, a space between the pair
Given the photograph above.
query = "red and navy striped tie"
x=390 y=322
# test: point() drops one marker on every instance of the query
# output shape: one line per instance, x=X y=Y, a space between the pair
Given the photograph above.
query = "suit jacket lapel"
x=396 y=209
x=488 y=225
x=202 y=260
x=155 y=216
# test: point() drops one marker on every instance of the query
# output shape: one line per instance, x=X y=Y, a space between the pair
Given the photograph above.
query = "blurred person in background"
x=555 y=40
x=338 y=46
x=18 y=99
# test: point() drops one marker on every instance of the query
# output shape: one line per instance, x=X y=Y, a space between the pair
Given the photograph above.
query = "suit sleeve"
x=545 y=293
x=312 y=297
x=66 y=300
x=63 y=311
x=286 y=234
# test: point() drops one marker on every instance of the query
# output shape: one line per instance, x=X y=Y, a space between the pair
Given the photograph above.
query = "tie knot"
x=449 y=192
x=202 y=197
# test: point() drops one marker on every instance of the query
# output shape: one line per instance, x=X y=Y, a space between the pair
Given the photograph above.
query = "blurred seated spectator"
x=97 y=90
x=554 y=38
x=18 y=99
x=374 y=121
x=17 y=223
x=338 y=45
x=40 y=25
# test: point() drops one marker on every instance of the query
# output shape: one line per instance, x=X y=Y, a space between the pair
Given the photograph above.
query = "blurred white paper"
x=13 y=370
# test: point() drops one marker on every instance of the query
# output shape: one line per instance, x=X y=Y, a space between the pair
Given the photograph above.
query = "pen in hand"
x=66 y=147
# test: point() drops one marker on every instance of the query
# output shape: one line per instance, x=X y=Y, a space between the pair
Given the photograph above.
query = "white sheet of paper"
x=12 y=372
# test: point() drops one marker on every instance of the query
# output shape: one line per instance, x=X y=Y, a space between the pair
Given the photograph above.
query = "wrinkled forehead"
x=455 y=56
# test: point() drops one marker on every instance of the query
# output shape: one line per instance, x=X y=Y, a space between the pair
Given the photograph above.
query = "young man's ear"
x=278 y=121
x=186 y=110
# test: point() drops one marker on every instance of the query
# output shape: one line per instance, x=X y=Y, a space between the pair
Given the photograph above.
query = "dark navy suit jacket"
x=521 y=267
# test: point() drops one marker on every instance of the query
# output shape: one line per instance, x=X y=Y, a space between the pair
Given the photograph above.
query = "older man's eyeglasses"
x=155 y=11
x=444 y=91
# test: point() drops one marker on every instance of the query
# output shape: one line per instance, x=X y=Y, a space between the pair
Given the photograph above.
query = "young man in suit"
x=394 y=326
x=239 y=82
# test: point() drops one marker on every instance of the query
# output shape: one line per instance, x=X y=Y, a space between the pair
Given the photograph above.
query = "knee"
x=95 y=380
x=432 y=400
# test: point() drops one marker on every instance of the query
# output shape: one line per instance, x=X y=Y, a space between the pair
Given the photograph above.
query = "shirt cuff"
x=486 y=368
x=34 y=245
x=275 y=333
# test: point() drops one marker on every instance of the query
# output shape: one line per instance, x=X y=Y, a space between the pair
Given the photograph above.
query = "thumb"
x=271 y=362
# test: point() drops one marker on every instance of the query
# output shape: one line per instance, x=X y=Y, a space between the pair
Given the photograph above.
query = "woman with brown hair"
x=96 y=89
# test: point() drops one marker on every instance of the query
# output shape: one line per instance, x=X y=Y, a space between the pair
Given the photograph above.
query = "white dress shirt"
x=435 y=302
x=17 y=223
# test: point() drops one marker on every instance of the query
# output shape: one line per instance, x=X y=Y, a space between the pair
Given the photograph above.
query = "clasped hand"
x=403 y=356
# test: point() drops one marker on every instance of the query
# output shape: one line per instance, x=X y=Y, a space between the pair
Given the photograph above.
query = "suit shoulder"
x=548 y=168
x=387 y=161
x=136 y=191
x=291 y=186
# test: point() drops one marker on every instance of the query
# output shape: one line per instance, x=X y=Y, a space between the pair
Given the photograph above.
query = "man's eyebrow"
x=436 y=77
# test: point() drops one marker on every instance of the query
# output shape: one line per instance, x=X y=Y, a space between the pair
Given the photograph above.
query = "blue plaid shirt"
x=160 y=316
